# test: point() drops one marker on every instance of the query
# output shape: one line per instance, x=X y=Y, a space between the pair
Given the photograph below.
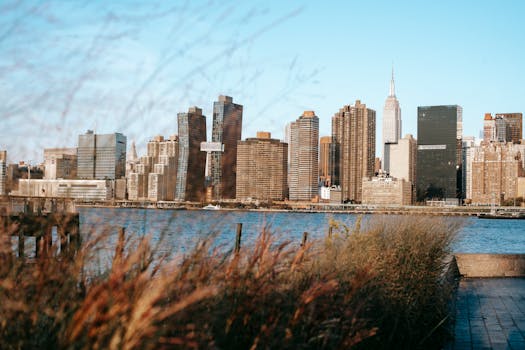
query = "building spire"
x=392 y=85
x=133 y=154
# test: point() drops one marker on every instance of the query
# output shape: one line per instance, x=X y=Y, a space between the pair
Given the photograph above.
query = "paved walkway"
x=490 y=314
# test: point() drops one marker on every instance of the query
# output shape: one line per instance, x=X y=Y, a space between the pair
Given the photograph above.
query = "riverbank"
x=306 y=207
x=36 y=204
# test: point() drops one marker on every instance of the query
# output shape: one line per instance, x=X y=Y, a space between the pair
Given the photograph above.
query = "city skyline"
x=110 y=67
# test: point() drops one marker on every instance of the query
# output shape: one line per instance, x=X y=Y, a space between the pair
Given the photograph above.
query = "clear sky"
x=130 y=67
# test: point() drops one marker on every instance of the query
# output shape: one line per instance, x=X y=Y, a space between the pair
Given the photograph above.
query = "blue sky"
x=69 y=66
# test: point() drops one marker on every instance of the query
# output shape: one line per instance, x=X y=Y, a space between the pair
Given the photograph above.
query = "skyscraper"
x=514 y=121
x=227 y=127
x=101 y=156
x=403 y=157
x=468 y=144
x=192 y=162
x=504 y=127
x=489 y=128
x=262 y=168
x=304 y=161
x=391 y=123
x=3 y=173
x=353 y=137
x=439 y=130
x=324 y=160
x=495 y=171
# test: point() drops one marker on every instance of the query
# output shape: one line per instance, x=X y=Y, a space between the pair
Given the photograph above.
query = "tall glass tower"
x=192 y=162
x=439 y=158
x=227 y=127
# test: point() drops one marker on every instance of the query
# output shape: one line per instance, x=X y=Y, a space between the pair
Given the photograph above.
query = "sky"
x=130 y=67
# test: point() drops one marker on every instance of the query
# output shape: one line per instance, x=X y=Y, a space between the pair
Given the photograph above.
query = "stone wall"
x=491 y=265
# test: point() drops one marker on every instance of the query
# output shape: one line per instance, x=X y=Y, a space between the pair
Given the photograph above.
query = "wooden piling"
x=62 y=236
x=119 y=249
x=330 y=231
x=48 y=239
x=41 y=227
x=238 y=238
x=21 y=244
x=305 y=238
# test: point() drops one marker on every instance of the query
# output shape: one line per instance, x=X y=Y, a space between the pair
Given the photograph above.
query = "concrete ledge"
x=491 y=265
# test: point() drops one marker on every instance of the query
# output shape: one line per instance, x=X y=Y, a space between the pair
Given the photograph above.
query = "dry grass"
x=374 y=287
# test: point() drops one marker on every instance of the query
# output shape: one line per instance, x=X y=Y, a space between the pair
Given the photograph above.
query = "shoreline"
x=22 y=204
x=313 y=208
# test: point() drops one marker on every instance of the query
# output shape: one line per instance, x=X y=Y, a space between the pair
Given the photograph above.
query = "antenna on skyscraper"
x=392 y=85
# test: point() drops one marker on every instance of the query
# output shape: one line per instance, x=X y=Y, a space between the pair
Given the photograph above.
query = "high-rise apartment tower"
x=227 y=127
x=262 y=168
x=192 y=162
x=353 y=156
x=304 y=157
x=325 y=146
x=3 y=173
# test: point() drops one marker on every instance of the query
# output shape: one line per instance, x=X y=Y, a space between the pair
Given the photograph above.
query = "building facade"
x=391 y=124
x=468 y=144
x=403 y=158
x=3 y=173
x=325 y=146
x=154 y=176
x=226 y=129
x=504 y=127
x=85 y=190
x=514 y=126
x=496 y=168
x=489 y=128
x=353 y=149
x=381 y=190
x=60 y=163
x=101 y=156
x=304 y=161
x=191 y=163
x=262 y=168
x=439 y=130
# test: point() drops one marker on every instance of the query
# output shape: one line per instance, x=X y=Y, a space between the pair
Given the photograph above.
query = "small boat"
x=212 y=207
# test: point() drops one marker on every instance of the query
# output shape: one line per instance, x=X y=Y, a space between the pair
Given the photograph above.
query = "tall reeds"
x=375 y=285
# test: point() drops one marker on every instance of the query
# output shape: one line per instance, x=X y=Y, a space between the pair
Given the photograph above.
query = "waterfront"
x=182 y=229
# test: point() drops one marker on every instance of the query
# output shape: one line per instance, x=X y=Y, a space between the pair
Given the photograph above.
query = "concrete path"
x=490 y=314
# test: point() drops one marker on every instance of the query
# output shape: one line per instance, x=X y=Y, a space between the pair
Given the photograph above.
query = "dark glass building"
x=192 y=162
x=101 y=156
x=227 y=127
x=438 y=175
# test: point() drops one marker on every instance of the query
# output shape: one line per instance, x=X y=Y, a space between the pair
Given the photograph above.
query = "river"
x=182 y=229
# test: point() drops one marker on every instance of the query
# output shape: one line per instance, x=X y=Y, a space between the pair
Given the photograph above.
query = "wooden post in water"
x=48 y=239
x=119 y=250
x=38 y=243
x=305 y=238
x=62 y=236
x=73 y=228
x=21 y=244
x=330 y=231
x=238 y=238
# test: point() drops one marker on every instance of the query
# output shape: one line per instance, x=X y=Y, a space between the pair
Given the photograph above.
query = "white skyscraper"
x=391 y=123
